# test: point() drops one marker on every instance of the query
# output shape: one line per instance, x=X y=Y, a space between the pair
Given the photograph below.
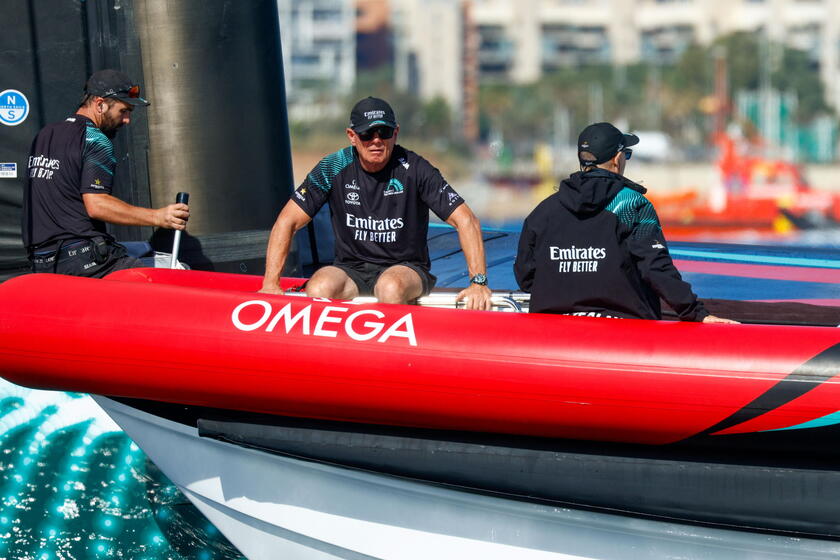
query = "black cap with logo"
x=371 y=112
x=116 y=85
x=601 y=141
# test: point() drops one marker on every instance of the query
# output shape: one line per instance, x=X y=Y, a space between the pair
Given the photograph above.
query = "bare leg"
x=398 y=284
x=331 y=282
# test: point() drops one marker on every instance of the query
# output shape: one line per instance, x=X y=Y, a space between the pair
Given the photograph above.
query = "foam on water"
x=74 y=486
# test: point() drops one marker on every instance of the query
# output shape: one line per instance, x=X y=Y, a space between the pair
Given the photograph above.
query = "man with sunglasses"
x=595 y=247
x=67 y=199
x=380 y=195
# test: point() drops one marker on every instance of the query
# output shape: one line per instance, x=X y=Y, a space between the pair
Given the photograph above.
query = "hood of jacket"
x=588 y=192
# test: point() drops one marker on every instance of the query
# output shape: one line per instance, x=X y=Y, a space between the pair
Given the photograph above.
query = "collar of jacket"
x=598 y=172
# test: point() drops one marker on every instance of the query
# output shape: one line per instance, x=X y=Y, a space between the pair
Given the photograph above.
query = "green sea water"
x=74 y=486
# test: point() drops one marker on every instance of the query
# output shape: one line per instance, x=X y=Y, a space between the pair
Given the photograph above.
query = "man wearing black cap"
x=380 y=195
x=595 y=247
x=67 y=198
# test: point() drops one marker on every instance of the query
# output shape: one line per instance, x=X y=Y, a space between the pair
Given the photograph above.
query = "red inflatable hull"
x=208 y=339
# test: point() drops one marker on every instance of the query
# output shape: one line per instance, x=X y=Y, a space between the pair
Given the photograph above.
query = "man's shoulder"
x=69 y=125
x=97 y=144
x=407 y=159
x=338 y=159
x=95 y=136
x=330 y=167
x=550 y=203
x=412 y=162
x=633 y=195
x=630 y=205
x=545 y=211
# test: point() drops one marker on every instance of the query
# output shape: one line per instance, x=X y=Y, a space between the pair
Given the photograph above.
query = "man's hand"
x=273 y=289
x=477 y=296
x=721 y=320
x=174 y=216
x=101 y=206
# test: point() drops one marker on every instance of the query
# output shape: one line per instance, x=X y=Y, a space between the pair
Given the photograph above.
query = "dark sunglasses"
x=133 y=92
x=628 y=153
x=384 y=133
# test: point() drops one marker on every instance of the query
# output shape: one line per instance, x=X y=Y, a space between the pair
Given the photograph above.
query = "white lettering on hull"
x=329 y=323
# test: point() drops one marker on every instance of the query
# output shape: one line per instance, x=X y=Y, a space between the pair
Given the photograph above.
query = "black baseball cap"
x=371 y=112
x=116 y=85
x=603 y=141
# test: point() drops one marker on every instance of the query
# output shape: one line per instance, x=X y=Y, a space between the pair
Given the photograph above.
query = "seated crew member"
x=595 y=247
x=380 y=195
x=67 y=198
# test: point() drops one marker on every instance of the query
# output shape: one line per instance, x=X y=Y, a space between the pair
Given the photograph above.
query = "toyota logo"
x=352 y=196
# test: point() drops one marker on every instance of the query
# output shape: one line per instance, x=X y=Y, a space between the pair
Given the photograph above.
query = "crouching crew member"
x=67 y=198
x=595 y=247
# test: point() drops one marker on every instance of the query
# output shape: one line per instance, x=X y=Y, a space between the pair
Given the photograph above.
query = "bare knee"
x=331 y=283
x=319 y=287
x=391 y=289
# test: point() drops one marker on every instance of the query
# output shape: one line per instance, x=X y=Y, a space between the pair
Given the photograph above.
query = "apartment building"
x=319 y=47
x=442 y=47
x=520 y=40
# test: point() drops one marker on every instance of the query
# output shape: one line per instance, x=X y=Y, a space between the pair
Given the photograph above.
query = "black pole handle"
x=182 y=198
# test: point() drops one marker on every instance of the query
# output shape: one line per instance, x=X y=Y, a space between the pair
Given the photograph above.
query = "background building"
x=319 y=53
x=443 y=49
x=374 y=37
x=520 y=40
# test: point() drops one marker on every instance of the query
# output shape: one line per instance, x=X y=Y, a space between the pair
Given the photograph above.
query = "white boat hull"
x=274 y=506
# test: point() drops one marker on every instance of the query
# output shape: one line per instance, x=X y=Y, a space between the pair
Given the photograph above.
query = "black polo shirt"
x=67 y=159
x=382 y=217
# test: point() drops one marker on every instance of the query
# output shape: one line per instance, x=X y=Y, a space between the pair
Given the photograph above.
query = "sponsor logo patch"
x=14 y=107
x=394 y=187
x=8 y=170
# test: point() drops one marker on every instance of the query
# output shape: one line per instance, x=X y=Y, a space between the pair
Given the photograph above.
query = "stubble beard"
x=109 y=126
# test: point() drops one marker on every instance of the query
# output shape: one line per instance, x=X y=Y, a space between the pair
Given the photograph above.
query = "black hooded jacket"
x=595 y=247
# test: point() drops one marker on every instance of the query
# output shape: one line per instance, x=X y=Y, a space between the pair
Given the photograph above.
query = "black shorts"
x=84 y=257
x=365 y=275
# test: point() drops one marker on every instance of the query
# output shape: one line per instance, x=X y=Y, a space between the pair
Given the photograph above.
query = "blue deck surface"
x=449 y=266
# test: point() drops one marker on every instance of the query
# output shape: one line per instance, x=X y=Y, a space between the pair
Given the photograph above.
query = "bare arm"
x=291 y=219
x=469 y=235
x=107 y=208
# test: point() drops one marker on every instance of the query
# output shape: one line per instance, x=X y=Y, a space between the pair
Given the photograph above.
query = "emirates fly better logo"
x=577 y=259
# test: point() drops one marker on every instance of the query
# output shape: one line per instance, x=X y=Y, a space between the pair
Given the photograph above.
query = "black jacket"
x=595 y=247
